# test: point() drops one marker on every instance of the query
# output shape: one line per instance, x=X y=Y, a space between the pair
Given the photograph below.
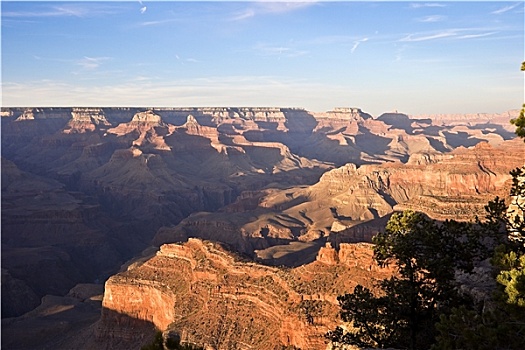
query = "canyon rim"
x=227 y=227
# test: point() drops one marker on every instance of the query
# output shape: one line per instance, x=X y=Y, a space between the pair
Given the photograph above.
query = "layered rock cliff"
x=84 y=189
x=212 y=298
x=349 y=202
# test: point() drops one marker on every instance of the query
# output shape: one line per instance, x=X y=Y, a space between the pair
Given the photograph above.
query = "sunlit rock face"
x=86 y=189
x=86 y=120
x=351 y=204
x=214 y=298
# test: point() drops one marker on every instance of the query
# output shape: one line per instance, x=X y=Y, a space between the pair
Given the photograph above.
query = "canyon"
x=220 y=226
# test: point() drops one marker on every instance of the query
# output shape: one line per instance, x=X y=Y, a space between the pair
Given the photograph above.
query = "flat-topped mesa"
x=95 y=115
x=263 y=114
x=147 y=117
x=346 y=110
x=344 y=113
x=85 y=119
x=471 y=118
x=257 y=114
x=6 y=112
x=44 y=113
x=141 y=122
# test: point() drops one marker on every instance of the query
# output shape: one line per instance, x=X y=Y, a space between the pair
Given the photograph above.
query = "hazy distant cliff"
x=85 y=189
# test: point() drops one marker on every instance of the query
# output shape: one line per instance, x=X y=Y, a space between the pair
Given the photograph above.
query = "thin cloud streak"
x=269 y=8
x=432 y=19
x=454 y=34
x=414 y=38
x=423 y=5
x=357 y=43
x=473 y=36
x=271 y=50
x=505 y=9
x=67 y=10
x=248 y=13
x=90 y=63
x=156 y=23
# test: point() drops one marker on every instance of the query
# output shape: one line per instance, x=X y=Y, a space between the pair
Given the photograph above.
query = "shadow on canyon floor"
x=67 y=323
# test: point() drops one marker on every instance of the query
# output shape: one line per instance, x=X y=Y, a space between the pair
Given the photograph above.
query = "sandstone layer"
x=212 y=298
x=85 y=189
x=351 y=203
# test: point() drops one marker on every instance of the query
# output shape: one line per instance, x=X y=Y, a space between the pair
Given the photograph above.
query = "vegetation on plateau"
x=424 y=305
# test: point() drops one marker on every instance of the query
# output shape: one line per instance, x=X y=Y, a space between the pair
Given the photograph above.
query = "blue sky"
x=414 y=57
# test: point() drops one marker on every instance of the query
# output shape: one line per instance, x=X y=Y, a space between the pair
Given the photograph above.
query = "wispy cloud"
x=65 y=10
x=85 y=63
x=473 y=36
x=242 y=15
x=211 y=91
x=157 y=23
x=431 y=19
x=90 y=63
x=283 y=7
x=417 y=5
x=415 y=37
x=357 y=43
x=143 y=8
x=505 y=9
x=189 y=59
x=453 y=34
x=265 y=8
x=278 y=51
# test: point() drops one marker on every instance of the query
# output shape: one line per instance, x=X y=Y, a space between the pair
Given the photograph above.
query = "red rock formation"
x=85 y=119
x=212 y=298
x=456 y=185
x=109 y=178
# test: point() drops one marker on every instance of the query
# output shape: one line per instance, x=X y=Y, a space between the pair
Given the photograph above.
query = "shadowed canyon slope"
x=350 y=204
x=86 y=189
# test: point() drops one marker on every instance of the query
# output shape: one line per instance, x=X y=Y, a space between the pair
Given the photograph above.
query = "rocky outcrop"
x=84 y=189
x=460 y=181
x=85 y=120
x=213 y=298
x=351 y=204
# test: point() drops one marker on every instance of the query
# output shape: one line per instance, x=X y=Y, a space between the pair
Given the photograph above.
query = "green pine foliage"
x=520 y=121
x=473 y=329
x=512 y=278
x=426 y=255
x=421 y=307
x=500 y=323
